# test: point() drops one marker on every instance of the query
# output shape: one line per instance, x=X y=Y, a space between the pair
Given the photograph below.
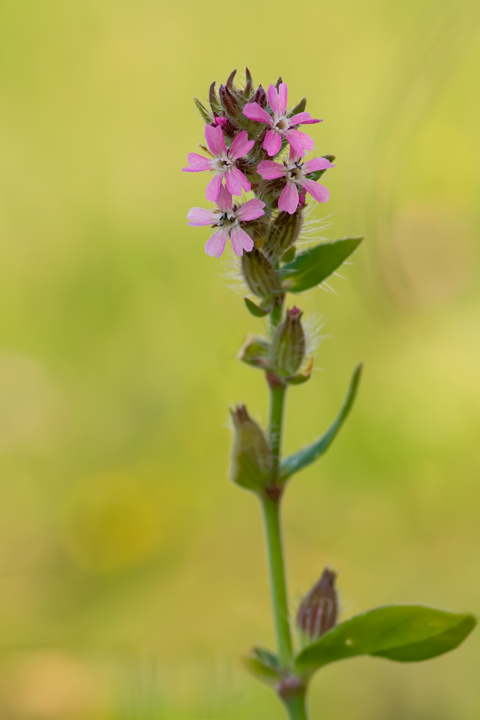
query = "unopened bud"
x=229 y=102
x=283 y=234
x=251 y=455
x=260 y=274
x=318 y=610
x=260 y=97
x=213 y=99
x=288 y=345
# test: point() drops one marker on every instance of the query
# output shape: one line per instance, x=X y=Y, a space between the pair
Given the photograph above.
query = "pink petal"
x=303 y=118
x=199 y=216
x=240 y=240
x=272 y=142
x=236 y=180
x=224 y=200
x=216 y=244
x=254 y=112
x=319 y=192
x=215 y=141
x=317 y=164
x=282 y=98
x=213 y=188
x=221 y=121
x=288 y=200
x=278 y=99
x=251 y=210
x=197 y=163
x=270 y=170
x=240 y=146
x=299 y=142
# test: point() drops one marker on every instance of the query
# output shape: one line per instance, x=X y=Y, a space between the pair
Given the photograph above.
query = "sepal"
x=303 y=376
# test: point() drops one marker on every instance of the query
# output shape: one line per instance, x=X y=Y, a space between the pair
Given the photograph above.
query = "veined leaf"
x=407 y=633
x=303 y=458
x=314 y=266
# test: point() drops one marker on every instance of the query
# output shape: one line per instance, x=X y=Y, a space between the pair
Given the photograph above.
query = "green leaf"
x=289 y=255
x=314 y=266
x=255 y=310
x=305 y=457
x=263 y=664
x=407 y=633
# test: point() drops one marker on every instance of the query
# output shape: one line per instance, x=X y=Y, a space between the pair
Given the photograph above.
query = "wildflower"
x=227 y=218
x=296 y=174
x=281 y=126
x=223 y=162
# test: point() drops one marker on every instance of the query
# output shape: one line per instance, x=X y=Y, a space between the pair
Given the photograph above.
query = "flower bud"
x=260 y=274
x=283 y=234
x=318 y=610
x=251 y=455
x=288 y=345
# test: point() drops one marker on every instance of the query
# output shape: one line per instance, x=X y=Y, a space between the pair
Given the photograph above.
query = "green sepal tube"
x=252 y=459
x=288 y=345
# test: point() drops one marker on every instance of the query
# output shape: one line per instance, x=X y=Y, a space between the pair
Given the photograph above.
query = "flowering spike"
x=319 y=608
x=288 y=345
x=251 y=455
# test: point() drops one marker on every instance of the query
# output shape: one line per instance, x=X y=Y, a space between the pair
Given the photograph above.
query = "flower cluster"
x=253 y=144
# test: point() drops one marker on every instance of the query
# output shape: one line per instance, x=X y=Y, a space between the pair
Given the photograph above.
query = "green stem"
x=277 y=403
x=296 y=706
x=271 y=513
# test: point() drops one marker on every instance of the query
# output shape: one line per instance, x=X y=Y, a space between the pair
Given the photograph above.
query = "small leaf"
x=407 y=633
x=314 y=266
x=263 y=664
x=255 y=352
x=255 y=310
x=289 y=255
x=305 y=457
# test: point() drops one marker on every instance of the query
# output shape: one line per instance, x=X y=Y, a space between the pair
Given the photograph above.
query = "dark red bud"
x=318 y=610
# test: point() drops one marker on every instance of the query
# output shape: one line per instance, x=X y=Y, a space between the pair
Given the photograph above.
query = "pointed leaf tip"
x=306 y=456
x=312 y=267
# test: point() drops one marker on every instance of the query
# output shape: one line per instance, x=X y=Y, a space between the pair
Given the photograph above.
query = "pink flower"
x=227 y=218
x=296 y=174
x=223 y=163
x=281 y=125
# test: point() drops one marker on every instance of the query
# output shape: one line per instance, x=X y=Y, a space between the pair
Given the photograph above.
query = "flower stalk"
x=254 y=146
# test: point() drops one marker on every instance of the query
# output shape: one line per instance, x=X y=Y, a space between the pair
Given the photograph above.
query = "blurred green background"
x=132 y=573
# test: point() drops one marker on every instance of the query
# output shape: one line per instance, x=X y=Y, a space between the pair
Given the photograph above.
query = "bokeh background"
x=132 y=573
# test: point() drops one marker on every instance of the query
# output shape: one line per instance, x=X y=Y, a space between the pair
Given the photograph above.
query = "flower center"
x=226 y=219
x=281 y=125
x=295 y=173
x=222 y=164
